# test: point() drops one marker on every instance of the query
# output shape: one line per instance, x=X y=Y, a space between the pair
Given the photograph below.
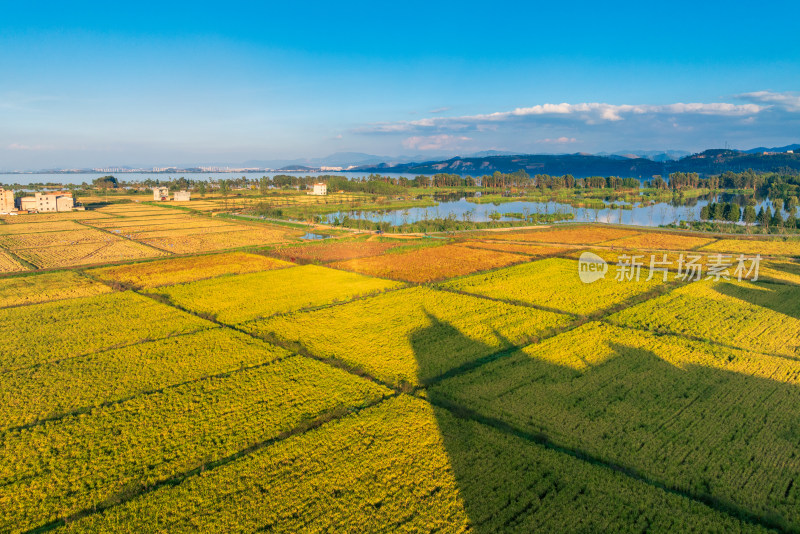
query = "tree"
x=263 y=185
x=749 y=215
x=777 y=219
x=764 y=216
x=105 y=182
x=705 y=213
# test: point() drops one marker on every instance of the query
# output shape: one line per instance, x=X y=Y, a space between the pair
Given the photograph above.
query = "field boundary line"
x=320 y=421
x=120 y=236
x=462 y=412
x=87 y=409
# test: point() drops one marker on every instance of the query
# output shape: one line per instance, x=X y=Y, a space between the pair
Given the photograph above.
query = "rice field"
x=789 y=247
x=244 y=297
x=8 y=264
x=33 y=289
x=553 y=283
x=471 y=384
x=413 y=335
x=573 y=235
x=431 y=263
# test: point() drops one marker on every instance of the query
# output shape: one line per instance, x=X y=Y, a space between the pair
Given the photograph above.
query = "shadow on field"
x=780 y=298
x=725 y=439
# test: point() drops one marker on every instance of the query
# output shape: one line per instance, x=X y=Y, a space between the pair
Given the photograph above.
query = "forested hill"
x=582 y=165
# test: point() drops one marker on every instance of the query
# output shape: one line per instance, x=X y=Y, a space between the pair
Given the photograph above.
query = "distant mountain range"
x=580 y=165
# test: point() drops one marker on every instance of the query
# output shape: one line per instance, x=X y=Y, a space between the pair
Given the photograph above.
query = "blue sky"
x=96 y=84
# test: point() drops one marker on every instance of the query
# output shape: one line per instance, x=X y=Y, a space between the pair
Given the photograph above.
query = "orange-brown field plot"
x=143 y=235
x=185 y=244
x=577 y=235
x=188 y=269
x=660 y=241
x=519 y=248
x=139 y=220
x=336 y=250
x=431 y=263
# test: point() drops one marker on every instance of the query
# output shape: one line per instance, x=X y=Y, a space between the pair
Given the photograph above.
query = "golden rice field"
x=187 y=269
x=33 y=227
x=413 y=335
x=51 y=217
x=766 y=247
x=660 y=241
x=8 y=264
x=573 y=235
x=699 y=418
x=404 y=460
x=752 y=316
x=429 y=264
x=244 y=297
x=33 y=289
x=111 y=250
x=240 y=392
x=553 y=283
x=186 y=244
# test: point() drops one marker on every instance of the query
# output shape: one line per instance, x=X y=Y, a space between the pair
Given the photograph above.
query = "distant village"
x=60 y=201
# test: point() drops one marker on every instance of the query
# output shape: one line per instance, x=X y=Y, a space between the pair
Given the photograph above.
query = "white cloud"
x=434 y=142
x=439 y=110
x=788 y=100
x=20 y=146
x=587 y=112
x=558 y=140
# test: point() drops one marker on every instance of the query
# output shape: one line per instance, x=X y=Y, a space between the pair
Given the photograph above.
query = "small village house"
x=182 y=196
x=161 y=193
x=319 y=189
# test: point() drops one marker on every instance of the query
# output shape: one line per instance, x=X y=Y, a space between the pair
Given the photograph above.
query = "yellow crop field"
x=49 y=239
x=679 y=412
x=404 y=466
x=115 y=249
x=54 y=331
x=8 y=264
x=789 y=247
x=46 y=287
x=187 y=269
x=412 y=335
x=271 y=235
x=660 y=241
x=54 y=389
x=751 y=316
x=52 y=217
x=578 y=235
x=239 y=298
x=335 y=250
x=431 y=263
x=148 y=220
x=29 y=228
x=554 y=283
x=178 y=232
x=520 y=248
x=147 y=439
x=134 y=209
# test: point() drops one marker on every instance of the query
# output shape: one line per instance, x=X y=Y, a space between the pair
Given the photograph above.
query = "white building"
x=47 y=202
x=319 y=189
x=160 y=193
x=182 y=196
x=6 y=200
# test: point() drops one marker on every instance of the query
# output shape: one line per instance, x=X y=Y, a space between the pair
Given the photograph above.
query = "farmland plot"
x=132 y=445
x=431 y=263
x=114 y=249
x=752 y=316
x=709 y=421
x=660 y=241
x=335 y=250
x=8 y=264
x=46 y=287
x=404 y=466
x=578 y=235
x=412 y=335
x=185 y=244
x=235 y=299
x=56 y=388
x=789 y=247
x=187 y=269
x=32 y=335
x=31 y=228
x=50 y=239
x=554 y=283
